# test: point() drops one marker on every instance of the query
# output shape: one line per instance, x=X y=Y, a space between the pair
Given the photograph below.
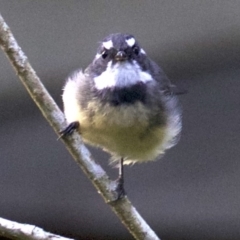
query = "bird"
x=124 y=103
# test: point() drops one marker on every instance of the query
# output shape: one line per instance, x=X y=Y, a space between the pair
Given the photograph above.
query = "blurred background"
x=193 y=192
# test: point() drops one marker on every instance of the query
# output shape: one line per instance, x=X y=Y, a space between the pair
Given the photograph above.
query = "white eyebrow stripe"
x=108 y=44
x=142 y=51
x=130 y=42
x=98 y=55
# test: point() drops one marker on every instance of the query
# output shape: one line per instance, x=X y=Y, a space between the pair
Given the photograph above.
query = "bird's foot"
x=120 y=189
x=69 y=129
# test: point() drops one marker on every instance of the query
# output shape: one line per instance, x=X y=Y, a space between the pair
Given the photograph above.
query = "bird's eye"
x=104 y=54
x=135 y=49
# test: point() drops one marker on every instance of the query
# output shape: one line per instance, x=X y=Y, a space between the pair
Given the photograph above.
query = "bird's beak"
x=121 y=56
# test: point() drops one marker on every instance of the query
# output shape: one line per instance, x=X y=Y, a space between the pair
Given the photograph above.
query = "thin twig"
x=19 y=231
x=123 y=208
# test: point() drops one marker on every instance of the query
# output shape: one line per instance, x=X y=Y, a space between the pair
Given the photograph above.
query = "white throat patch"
x=121 y=75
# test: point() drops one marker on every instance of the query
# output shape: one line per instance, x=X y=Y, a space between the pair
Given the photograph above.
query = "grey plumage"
x=124 y=105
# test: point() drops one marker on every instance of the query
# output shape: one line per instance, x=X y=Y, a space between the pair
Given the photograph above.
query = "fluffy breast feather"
x=125 y=130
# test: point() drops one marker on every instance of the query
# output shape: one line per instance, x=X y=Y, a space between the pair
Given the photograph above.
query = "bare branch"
x=123 y=208
x=20 y=231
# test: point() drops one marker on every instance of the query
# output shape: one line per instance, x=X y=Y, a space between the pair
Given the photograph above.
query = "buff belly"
x=123 y=130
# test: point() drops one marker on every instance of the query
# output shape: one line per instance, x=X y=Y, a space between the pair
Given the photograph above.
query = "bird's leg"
x=120 y=181
x=69 y=129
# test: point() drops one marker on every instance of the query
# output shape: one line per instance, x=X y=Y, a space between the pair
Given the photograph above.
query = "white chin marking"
x=121 y=75
x=108 y=45
x=130 y=42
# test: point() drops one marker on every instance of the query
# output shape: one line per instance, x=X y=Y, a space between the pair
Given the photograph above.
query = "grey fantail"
x=123 y=103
